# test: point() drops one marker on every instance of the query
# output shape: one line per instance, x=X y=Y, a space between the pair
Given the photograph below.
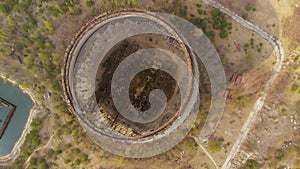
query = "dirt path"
x=279 y=51
x=37 y=149
x=206 y=152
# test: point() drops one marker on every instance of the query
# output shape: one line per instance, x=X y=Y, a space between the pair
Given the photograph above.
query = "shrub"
x=183 y=11
x=33 y=162
x=294 y=87
x=133 y=2
x=84 y=157
x=76 y=151
x=28 y=60
x=200 y=11
x=248 y=8
x=279 y=155
x=251 y=164
x=74 y=132
x=215 y=13
x=66 y=161
x=76 y=11
x=223 y=34
x=115 y=2
x=245 y=16
x=43 y=55
x=297 y=164
x=90 y=3
x=215 y=144
x=121 y=160
x=4 y=8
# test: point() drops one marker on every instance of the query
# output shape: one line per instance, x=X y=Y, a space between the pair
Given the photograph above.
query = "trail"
x=38 y=149
x=206 y=152
x=279 y=52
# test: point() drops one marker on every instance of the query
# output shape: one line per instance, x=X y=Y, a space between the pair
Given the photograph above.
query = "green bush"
x=90 y=3
x=245 y=16
x=200 y=11
x=115 y=2
x=67 y=161
x=279 y=155
x=190 y=144
x=76 y=151
x=77 y=162
x=294 y=87
x=133 y=2
x=57 y=152
x=250 y=58
x=215 y=144
x=74 y=132
x=183 y=11
x=76 y=11
x=121 y=160
x=84 y=157
x=215 y=13
x=43 y=55
x=223 y=34
x=252 y=42
x=4 y=8
x=47 y=25
x=248 y=8
x=297 y=164
x=252 y=164
x=33 y=162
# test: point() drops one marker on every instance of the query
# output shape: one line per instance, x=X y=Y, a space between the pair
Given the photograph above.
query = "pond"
x=23 y=103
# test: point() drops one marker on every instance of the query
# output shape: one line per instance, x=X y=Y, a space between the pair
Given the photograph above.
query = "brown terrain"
x=274 y=140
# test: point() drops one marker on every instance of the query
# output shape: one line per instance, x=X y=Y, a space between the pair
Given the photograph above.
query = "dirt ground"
x=273 y=125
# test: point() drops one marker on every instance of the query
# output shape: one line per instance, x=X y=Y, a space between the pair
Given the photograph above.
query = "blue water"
x=23 y=104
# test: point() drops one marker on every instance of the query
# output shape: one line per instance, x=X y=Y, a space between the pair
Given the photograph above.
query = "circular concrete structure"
x=130 y=80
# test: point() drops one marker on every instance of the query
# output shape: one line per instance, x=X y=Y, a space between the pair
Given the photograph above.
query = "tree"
x=50 y=153
x=121 y=160
x=90 y=3
x=252 y=42
x=77 y=162
x=76 y=11
x=84 y=157
x=211 y=33
x=200 y=11
x=76 y=151
x=183 y=11
x=279 y=155
x=133 y=2
x=66 y=161
x=215 y=13
x=4 y=8
x=115 y=2
x=223 y=34
x=33 y=162
x=57 y=152
x=43 y=55
x=74 y=132
x=31 y=21
x=28 y=61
